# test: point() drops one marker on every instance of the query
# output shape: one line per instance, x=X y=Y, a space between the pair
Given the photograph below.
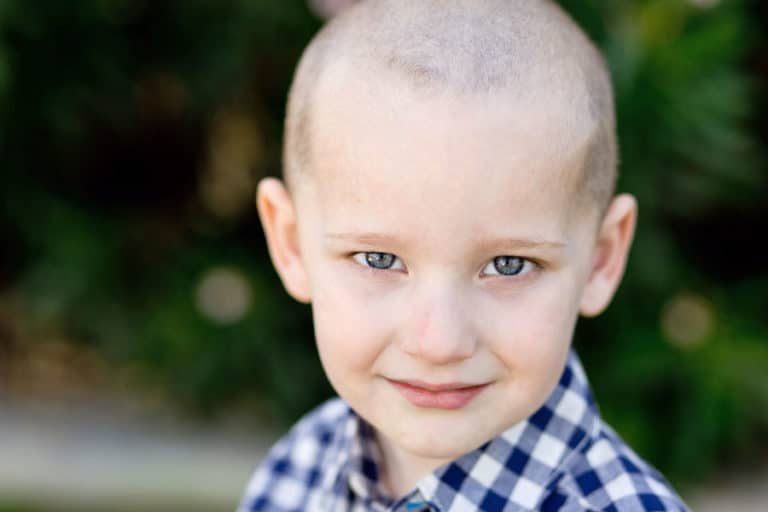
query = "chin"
x=442 y=443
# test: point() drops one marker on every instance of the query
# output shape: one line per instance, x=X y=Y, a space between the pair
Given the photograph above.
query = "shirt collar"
x=354 y=464
x=519 y=464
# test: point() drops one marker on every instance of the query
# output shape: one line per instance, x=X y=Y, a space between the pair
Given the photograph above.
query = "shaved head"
x=526 y=52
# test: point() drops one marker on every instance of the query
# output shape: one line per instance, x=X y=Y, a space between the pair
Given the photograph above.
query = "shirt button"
x=418 y=506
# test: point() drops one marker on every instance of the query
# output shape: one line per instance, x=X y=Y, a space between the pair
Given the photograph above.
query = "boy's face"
x=401 y=221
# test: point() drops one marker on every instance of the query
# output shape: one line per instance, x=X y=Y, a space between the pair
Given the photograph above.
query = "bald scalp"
x=523 y=50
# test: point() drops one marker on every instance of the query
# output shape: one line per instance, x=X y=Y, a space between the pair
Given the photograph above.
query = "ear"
x=612 y=248
x=278 y=218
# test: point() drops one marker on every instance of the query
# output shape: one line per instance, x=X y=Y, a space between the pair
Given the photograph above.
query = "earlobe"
x=612 y=249
x=278 y=218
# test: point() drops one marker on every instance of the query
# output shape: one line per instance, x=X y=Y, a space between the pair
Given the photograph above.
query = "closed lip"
x=429 y=386
x=431 y=395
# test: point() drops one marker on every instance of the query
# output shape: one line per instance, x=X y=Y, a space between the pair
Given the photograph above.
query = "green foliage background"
x=111 y=112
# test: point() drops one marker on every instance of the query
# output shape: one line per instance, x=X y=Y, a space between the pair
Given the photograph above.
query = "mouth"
x=437 y=396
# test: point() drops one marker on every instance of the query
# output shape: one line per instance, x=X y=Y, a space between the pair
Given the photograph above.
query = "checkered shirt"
x=561 y=458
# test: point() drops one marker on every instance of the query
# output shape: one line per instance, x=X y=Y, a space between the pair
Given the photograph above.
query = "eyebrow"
x=504 y=242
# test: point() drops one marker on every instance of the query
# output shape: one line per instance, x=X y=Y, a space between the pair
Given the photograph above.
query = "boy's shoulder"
x=302 y=461
x=562 y=458
x=608 y=475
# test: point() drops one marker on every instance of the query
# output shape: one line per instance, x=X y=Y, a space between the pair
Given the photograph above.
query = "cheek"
x=531 y=335
x=352 y=327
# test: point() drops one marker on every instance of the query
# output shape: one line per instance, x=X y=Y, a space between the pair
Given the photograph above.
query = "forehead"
x=382 y=148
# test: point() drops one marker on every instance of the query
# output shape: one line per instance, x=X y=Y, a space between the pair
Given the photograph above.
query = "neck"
x=401 y=470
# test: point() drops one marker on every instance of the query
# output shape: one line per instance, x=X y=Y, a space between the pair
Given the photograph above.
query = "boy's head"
x=525 y=51
x=450 y=211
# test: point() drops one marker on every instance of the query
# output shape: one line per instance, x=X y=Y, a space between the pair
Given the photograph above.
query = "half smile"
x=437 y=396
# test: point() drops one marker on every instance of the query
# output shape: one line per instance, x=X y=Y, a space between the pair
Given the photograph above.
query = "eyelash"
x=362 y=259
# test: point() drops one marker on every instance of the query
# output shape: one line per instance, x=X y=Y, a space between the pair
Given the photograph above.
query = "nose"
x=438 y=330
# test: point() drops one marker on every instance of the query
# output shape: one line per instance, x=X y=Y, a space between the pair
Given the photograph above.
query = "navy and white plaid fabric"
x=562 y=458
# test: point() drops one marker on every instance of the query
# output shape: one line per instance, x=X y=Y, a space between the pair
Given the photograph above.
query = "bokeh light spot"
x=687 y=320
x=224 y=295
x=235 y=149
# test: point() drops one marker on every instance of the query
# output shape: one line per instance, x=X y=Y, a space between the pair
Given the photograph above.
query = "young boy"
x=449 y=211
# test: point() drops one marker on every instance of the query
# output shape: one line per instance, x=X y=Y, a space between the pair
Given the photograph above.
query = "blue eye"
x=379 y=260
x=508 y=266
